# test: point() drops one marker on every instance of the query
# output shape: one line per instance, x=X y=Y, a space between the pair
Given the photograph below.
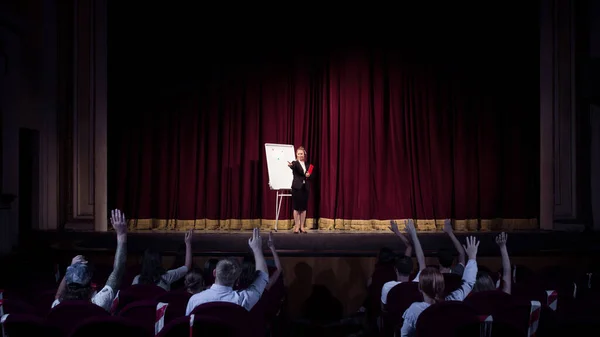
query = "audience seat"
x=178 y=300
x=202 y=326
x=449 y=318
x=26 y=325
x=66 y=315
x=451 y=282
x=489 y=302
x=142 y=312
x=138 y=292
x=17 y=306
x=109 y=326
x=232 y=314
x=399 y=299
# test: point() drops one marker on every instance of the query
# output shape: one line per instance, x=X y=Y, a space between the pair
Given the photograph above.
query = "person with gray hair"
x=227 y=273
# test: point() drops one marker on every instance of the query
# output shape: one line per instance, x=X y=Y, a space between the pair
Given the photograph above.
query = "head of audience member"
x=431 y=285
x=445 y=258
x=152 y=269
x=386 y=257
x=227 y=272
x=484 y=282
x=403 y=266
x=194 y=282
x=248 y=274
x=78 y=279
x=209 y=271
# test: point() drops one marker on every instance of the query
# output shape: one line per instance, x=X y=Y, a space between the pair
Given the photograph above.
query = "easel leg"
x=276 y=212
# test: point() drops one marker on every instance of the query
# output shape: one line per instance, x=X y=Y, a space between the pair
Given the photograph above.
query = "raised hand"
x=117 y=220
x=188 y=237
x=448 y=226
x=290 y=164
x=501 y=239
x=394 y=227
x=270 y=242
x=78 y=259
x=410 y=227
x=255 y=242
x=471 y=247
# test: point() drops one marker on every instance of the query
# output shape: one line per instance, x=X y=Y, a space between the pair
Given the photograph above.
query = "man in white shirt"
x=445 y=256
x=227 y=273
x=76 y=285
x=403 y=267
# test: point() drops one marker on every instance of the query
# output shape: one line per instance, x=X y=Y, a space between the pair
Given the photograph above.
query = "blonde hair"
x=431 y=283
x=301 y=148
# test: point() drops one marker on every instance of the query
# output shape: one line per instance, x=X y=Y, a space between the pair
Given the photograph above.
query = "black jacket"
x=299 y=175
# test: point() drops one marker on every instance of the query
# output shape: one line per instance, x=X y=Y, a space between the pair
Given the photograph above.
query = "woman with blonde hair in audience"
x=431 y=285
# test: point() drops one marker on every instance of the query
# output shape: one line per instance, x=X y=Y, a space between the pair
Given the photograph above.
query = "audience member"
x=209 y=269
x=431 y=285
x=76 y=284
x=484 y=280
x=404 y=264
x=154 y=273
x=227 y=273
x=279 y=268
x=194 y=282
x=248 y=273
x=445 y=256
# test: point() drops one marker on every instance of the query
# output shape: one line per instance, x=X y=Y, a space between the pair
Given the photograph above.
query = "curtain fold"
x=390 y=139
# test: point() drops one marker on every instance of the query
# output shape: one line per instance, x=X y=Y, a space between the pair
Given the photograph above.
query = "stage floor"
x=319 y=243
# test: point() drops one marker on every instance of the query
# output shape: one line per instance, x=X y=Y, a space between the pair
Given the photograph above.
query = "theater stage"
x=317 y=243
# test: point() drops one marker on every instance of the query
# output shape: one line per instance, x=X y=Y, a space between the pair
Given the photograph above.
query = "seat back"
x=398 y=300
x=141 y=312
x=109 y=326
x=489 y=302
x=66 y=315
x=452 y=282
x=138 y=292
x=17 y=306
x=202 y=326
x=178 y=300
x=26 y=325
x=448 y=318
x=232 y=314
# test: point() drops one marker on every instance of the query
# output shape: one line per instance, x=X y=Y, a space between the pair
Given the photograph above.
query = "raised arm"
x=279 y=270
x=63 y=284
x=448 y=230
x=188 y=249
x=118 y=222
x=412 y=232
x=255 y=243
x=394 y=228
x=506 y=269
x=470 y=274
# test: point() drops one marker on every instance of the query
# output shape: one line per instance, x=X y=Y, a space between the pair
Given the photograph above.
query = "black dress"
x=300 y=187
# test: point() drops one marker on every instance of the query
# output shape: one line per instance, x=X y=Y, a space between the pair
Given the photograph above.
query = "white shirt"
x=103 y=299
x=387 y=287
x=246 y=298
x=303 y=168
x=411 y=315
x=171 y=276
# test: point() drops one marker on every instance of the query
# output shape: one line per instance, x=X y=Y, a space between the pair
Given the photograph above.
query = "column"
x=88 y=117
x=558 y=195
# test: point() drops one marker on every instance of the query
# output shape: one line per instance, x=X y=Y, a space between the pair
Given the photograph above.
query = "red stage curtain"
x=390 y=138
